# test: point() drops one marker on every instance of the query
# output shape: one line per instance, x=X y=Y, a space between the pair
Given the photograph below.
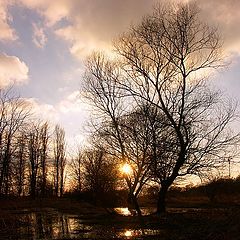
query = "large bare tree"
x=165 y=62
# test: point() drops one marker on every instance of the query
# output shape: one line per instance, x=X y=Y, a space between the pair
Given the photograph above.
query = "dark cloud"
x=106 y=18
x=225 y=15
x=94 y=23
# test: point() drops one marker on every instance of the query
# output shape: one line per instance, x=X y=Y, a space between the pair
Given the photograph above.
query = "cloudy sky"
x=43 y=44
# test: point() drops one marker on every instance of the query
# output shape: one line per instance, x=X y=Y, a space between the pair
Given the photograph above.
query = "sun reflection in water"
x=133 y=233
x=123 y=211
x=131 y=212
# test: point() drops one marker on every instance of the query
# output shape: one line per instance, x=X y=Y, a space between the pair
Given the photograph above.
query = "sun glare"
x=128 y=233
x=126 y=169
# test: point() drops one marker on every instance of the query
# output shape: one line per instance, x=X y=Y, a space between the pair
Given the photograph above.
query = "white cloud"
x=82 y=43
x=72 y=104
x=76 y=141
x=7 y=32
x=72 y=113
x=39 y=37
x=55 y=114
x=42 y=111
x=93 y=24
x=12 y=70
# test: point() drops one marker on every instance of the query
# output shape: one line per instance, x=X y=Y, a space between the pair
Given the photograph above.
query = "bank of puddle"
x=124 y=211
x=51 y=224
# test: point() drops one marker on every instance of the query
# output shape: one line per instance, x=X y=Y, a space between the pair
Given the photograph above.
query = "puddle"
x=51 y=224
x=131 y=212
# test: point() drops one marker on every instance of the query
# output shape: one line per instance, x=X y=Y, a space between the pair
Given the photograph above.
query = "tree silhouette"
x=164 y=63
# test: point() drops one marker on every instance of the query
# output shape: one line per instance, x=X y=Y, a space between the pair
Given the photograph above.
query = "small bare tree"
x=38 y=148
x=99 y=173
x=20 y=161
x=59 y=163
x=34 y=157
x=76 y=169
x=123 y=131
x=44 y=139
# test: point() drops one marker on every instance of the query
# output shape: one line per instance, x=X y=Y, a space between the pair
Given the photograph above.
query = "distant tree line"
x=215 y=191
x=32 y=157
x=34 y=160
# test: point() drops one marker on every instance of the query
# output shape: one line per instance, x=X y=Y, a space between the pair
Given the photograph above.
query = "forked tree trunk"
x=133 y=203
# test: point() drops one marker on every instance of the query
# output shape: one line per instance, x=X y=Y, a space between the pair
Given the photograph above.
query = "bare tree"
x=44 y=140
x=99 y=173
x=164 y=62
x=76 y=169
x=20 y=163
x=59 y=146
x=122 y=131
x=34 y=157
x=13 y=113
x=38 y=147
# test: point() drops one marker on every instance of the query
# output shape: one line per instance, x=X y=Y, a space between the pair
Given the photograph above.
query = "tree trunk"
x=33 y=187
x=161 y=204
x=2 y=175
x=133 y=203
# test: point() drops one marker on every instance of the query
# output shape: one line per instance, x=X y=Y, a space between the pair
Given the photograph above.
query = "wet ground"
x=69 y=220
x=52 y=224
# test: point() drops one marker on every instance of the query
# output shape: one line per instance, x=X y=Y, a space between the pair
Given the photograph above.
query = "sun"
x=126 y=169
x=128 y=233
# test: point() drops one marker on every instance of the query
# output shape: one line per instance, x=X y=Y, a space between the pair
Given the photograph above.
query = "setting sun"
x=128 y=233
x=126 y=169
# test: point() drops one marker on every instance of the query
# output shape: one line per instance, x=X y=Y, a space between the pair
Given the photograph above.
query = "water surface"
x=52 y=224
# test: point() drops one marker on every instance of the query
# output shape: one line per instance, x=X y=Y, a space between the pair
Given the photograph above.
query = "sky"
x=44 y=43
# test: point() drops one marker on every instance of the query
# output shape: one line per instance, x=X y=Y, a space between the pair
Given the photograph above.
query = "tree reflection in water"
x=51 y=224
